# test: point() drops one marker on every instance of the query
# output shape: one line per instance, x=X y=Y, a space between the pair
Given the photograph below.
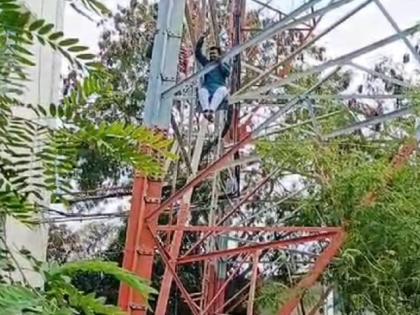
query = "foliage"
x=89 y=5
x=36 y=149
x=59 y=295
x=273 y=294
x=104 y=285
x=63 y=244
x=123 y=53
x=377 y=269
x=19 y=29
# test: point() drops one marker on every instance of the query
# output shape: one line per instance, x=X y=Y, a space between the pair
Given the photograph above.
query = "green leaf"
x=22 y=50
x=8 y=6
x=86 y=56
x=68 y=112
x=36 y=25
x=24 y=19
x=53 y=110
x=60 y=111
x=42 y=110
x=25 y=61
x=107 y=268
x=55 y=36
x=45 y=29
x=68 y=42
x=78 y=48
x=40 y=39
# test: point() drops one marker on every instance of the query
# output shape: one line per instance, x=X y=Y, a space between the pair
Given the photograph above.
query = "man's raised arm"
x=198 y=54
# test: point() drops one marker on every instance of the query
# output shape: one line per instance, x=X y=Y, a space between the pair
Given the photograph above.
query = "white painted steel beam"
x=331 y=63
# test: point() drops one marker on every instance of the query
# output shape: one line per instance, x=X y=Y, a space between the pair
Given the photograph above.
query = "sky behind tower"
x=362 y=29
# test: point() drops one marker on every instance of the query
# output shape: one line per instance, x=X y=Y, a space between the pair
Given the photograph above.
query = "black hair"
x=219 y=50
x=155 y=10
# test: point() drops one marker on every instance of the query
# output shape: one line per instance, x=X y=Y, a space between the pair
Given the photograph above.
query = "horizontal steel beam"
x=335 y=62
x=249 y=229
x=369 y=122
x=287 y=97
x=379 y=74
x=257 y=247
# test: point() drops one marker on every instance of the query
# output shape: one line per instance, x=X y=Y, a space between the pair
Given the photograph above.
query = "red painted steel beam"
x=174 y=249
x=320 y=265
x=253 y=282
x=253 y=248
x=232 y=211
x=167 y=260
x=220 y=163
x=139 y=249
x=268 y=229
x=224 y=285
x=135 y=224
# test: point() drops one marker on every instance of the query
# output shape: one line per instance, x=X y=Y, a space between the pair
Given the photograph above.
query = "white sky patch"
x=367 y=26
x=85 y=30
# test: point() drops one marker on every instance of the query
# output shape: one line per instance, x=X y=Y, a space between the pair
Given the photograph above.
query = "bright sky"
x=80 y=27
x=362 y=29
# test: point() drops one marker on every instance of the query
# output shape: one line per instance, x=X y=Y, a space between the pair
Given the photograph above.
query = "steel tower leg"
x=140 y=247
x=182 y=220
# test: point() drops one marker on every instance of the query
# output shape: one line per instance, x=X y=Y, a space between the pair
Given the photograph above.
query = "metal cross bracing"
x=235 y=238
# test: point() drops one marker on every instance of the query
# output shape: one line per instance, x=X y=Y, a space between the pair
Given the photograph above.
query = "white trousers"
x=218 y=96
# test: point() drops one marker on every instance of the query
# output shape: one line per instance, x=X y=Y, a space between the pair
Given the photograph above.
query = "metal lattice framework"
x=213 y=235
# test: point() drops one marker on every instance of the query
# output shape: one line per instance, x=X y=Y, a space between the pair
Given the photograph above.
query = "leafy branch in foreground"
x=44 y=154
x=41 y=154
x=60 y=296
x=18 y=31
x=91 y=5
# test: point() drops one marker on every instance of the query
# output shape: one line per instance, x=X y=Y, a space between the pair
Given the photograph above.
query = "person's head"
x=155 y=9
x=215 y=52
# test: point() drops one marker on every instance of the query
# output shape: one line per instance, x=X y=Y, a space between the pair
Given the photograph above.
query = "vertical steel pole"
x=135 y=225
x=164 y=65
x=253 y=282
x=140 y=247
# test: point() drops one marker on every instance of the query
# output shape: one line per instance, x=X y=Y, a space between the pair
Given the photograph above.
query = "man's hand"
x=202 y=37
x=200 y=41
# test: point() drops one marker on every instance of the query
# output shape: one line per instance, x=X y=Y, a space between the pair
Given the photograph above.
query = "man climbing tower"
x=214 y=90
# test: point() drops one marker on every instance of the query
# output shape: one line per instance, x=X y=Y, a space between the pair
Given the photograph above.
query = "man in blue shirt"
x=214 y=89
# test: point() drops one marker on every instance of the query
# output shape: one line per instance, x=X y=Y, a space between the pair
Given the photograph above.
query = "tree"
x=366 y=183
x=123 y=49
